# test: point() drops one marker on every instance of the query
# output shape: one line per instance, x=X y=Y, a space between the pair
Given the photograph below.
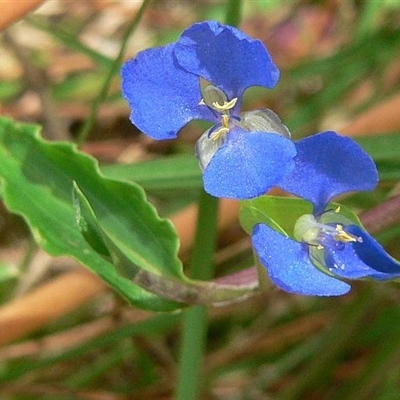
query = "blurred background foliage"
x=340 y=69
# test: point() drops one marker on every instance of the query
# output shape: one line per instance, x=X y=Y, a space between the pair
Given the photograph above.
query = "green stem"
x=84 y=132
x=368 y=17
x=233 y=12
x=195 y=318
x=28 y=256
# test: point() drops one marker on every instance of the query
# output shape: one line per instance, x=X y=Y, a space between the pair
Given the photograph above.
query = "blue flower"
x=203 y=76
x=327 y=246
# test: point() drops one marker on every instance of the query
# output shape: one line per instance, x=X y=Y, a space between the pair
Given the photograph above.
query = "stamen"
x=219 y=132
x=345 y=237
x=209 y=143
x=225 y=121
x=308 y=230
x=217 y=101
x=226 y=106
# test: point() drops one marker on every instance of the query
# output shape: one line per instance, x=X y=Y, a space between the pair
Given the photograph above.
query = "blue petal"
x=346 y=264
x=289 y=265
x=248 y=164
x=163 y=97
x=374 y=255
x=327 y=165
x=226 y=57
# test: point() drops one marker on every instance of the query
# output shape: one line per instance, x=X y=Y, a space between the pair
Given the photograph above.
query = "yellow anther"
x=228 y=105
x=337 y=209
x=224 y=128
x=210 y=93
x=343 y=236
x=219 y=132
x=225 y=121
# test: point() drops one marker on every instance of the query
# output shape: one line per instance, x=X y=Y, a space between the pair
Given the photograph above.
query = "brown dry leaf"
x=12 y=11
x=381 y=118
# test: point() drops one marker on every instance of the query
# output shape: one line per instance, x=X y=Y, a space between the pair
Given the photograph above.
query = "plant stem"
x=382 y=216
x=84 y=132
x=195 y=318
x=233 y=12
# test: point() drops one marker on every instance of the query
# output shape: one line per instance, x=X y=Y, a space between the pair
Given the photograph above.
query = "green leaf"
x=176 y=172
x=389 y=170
x=384 y=150
x=37 y=178
x=381 y=147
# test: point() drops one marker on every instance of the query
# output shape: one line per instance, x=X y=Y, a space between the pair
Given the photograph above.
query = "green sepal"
x=280 y=213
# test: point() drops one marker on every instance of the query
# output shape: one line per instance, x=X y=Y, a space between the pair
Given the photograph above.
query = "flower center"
x=215 y=99
x=308 y=230
x=225 y=110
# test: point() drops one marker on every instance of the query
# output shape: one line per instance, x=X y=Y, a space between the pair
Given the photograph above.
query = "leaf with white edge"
x=37 y=183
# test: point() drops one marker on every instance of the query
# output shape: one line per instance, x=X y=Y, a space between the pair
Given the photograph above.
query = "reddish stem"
x=383 y=216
